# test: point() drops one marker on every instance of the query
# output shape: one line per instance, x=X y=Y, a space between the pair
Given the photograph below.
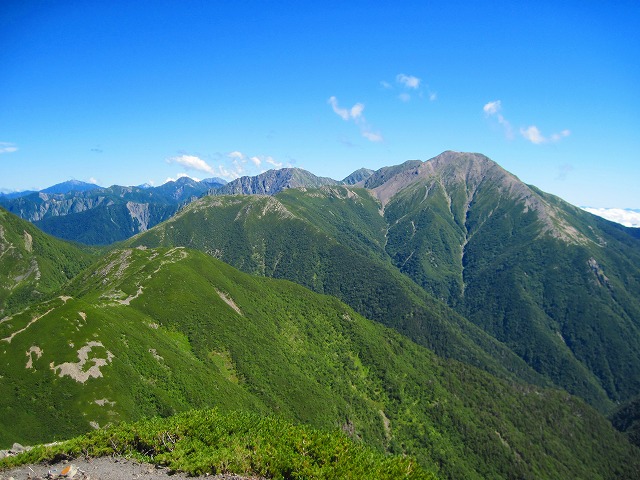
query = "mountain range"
x=94 y=215
x=441 y=309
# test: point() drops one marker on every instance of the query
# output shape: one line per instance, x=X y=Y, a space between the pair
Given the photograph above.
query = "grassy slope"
x=32 y=264
x=208 y=442
x=331 y=241
x=541 y=295
x=285 y=350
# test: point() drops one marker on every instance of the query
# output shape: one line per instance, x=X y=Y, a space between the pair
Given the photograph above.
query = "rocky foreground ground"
x=104 y=468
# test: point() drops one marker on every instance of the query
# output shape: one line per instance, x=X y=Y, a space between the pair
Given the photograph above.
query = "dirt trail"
x=105 y=468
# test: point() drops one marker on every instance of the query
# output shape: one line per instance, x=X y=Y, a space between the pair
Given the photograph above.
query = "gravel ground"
x=105 y=468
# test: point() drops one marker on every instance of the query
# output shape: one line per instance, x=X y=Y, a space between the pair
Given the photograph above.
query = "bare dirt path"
x=104 y=468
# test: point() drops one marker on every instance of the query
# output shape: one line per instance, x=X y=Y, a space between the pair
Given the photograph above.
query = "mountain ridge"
x=229 y=339
x=450 y=224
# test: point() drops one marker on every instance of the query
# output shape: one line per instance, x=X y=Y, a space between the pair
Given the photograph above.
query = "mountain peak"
x=360 y=175
x=273 y=181
x=71 y=186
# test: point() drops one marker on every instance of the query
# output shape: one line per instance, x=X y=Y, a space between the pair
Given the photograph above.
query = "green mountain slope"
x=626 y=418
x=32 y=264
x=157 y=331
x=557 y=285
x=331 y=240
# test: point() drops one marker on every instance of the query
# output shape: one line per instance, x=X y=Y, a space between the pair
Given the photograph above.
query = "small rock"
x=69 y=471
x=17 y=448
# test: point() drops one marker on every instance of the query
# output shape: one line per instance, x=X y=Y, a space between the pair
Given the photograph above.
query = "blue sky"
x=141 y=91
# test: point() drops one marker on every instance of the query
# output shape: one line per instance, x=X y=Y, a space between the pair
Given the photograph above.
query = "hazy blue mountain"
x=71 y=186
x=101 y=216
x=214 y=181
x=11 y=195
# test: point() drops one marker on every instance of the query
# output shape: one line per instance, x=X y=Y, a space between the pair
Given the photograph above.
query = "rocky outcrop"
x=272 y=182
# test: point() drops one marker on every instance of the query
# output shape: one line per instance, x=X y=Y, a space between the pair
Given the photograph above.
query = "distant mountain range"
x=441 y=309
x=95 y=215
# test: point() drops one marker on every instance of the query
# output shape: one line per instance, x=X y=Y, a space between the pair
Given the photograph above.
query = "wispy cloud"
x=531 y=133
x=6 y=147
x=372 y=136
x=493 y=109
x=355 y=113
x=408 y=81
x=410 y=86
x=180 y=175
x=236 y=164
x=271 y=161
x=93 y=180
x=623 y=216
x=191 y=162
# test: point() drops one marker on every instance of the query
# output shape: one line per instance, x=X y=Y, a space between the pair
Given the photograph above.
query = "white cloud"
x=408 y=81
x=93 y=180
x=372 y=136
x=237 y=164
x=342 y=112
x=623 y=216
x=6 y=147
x=355 y=114
x=531 y=133
x=356 y=111
x=492 y=108
x=192 y=162
x=559 y=136
x=271 y=161
x=534 y=135
x=180 y=175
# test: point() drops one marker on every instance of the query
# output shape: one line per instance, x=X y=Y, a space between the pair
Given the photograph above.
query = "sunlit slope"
x=559 y=286
x=32 y=264
x=151 y=331
x=331 y=240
